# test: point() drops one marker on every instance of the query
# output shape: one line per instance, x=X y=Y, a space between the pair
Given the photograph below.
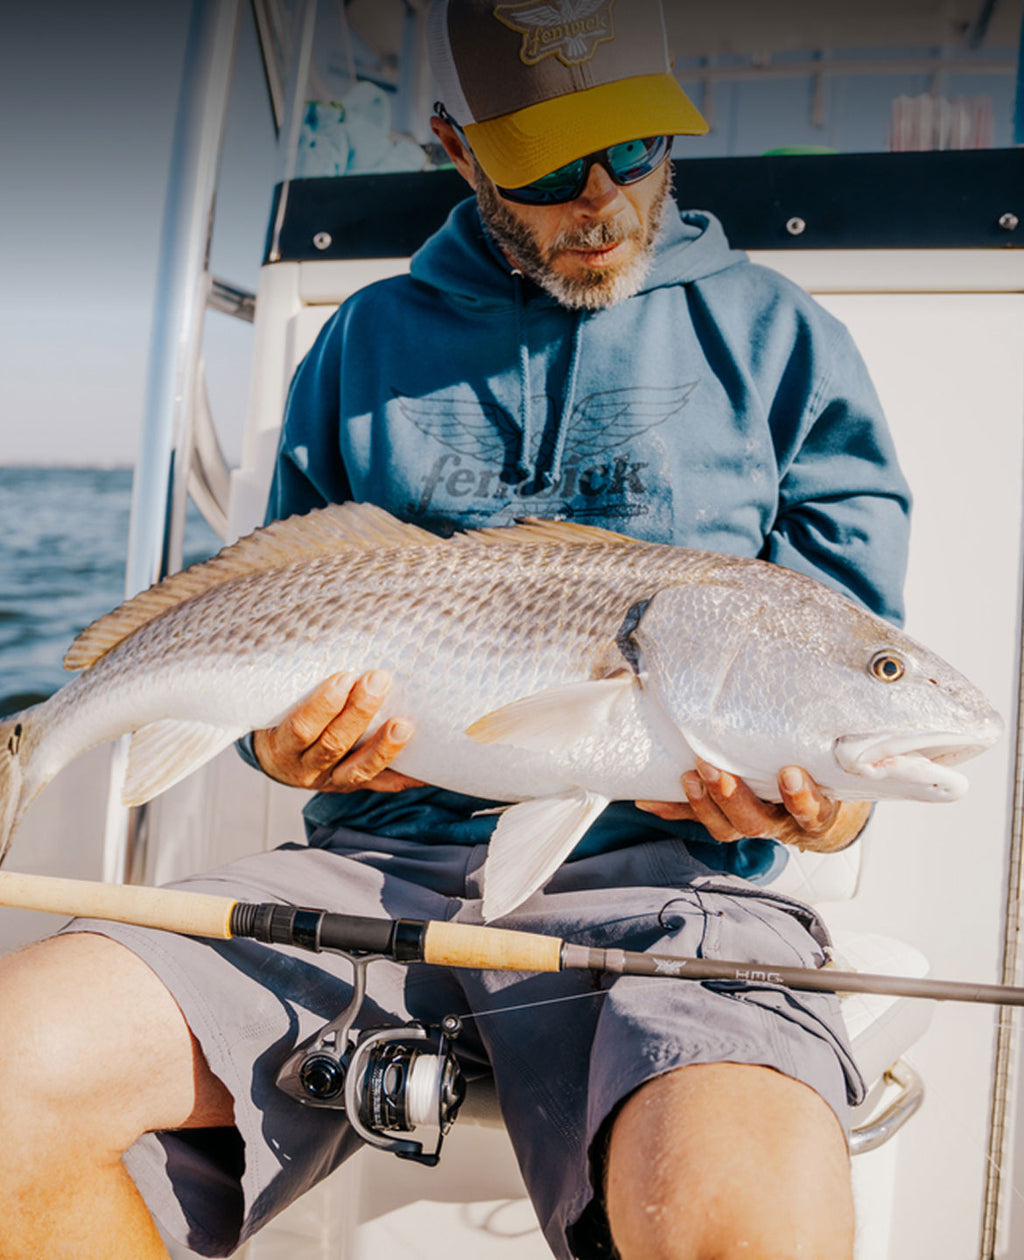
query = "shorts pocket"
x=781 y=913
x=752 y=925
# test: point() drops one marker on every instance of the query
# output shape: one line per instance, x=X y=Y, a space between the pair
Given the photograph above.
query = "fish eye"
x=887 y=667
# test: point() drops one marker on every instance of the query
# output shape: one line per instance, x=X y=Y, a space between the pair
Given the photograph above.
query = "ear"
x=455 y=149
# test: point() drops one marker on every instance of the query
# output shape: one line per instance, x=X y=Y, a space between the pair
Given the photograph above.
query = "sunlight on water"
x=63 y=541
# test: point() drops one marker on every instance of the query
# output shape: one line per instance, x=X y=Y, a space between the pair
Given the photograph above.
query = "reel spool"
x=386 y=1080
x=394 y=1085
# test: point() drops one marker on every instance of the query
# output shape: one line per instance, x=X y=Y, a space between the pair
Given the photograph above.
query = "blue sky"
x=91 y=91
x=88 y=95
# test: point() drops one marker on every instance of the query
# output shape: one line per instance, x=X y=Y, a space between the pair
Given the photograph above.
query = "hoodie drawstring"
x=524 y=465
x=551 y=476
x=524 y=468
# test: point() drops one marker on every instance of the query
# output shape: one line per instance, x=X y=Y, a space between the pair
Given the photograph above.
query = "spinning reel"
x=386 y=1080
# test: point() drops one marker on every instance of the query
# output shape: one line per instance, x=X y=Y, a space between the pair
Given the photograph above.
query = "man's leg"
x=94 y=1052
x=724 y=1160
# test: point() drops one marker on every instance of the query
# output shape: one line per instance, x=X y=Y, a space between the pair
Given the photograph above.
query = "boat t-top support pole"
x=444 y=944
x=156 y=529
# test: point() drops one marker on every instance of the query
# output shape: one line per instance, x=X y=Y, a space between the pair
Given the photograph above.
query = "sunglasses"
x=626 y=163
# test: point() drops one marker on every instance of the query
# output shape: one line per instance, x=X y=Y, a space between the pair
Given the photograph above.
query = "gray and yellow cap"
x=538 y=84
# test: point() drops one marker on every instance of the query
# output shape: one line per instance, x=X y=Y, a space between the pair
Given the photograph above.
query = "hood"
x=461 y=260
x=463 y=264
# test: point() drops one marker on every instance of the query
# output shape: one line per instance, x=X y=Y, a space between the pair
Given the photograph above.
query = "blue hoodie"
x=720 y=407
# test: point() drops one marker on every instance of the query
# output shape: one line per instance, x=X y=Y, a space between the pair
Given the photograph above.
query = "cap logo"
x=567 y=29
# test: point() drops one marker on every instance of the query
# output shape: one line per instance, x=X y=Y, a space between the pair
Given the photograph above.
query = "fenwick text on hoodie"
x=720 y=407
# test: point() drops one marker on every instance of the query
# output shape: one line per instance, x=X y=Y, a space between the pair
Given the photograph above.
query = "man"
x=567 y=345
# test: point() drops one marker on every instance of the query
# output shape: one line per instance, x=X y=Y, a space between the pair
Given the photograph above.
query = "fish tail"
x=13 y=732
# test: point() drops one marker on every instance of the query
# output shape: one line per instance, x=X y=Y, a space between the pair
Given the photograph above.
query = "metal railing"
x=170 y=449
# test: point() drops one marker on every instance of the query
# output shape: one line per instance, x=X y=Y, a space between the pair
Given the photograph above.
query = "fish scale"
x=506 y=651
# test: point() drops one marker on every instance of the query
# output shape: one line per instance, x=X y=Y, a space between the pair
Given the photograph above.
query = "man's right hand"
x=313 y=746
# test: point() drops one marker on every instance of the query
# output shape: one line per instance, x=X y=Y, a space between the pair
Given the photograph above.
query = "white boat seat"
x=818 y=877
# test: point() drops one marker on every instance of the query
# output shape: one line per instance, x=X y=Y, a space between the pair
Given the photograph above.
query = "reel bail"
x=386 y=1080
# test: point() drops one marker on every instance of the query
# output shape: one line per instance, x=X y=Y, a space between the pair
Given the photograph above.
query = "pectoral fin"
x=555 y=719
x=164 y=753
x=530 y=842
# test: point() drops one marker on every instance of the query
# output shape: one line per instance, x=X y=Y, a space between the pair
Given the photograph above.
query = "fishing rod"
x=390 y=1081
x=441 y=943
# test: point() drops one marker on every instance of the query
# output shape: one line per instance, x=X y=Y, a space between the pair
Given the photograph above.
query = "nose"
x=599 y=194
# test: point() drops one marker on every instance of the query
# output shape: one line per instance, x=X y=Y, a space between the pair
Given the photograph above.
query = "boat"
x=918 y=250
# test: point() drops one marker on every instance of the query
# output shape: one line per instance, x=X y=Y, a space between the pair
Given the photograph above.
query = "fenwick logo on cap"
x=567 y=29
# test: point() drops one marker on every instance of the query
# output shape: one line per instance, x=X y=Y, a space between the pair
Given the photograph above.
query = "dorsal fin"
x=360 y=526
x=534 y=529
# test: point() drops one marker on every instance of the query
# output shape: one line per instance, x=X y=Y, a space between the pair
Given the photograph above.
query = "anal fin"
x=532 y=839
x=163 y=753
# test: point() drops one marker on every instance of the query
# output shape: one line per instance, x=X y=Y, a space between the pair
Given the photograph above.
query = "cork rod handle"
x=194 y=914
x=491 y=949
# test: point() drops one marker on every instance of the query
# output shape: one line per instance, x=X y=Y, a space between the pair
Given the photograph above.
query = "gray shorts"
x=561 y=1068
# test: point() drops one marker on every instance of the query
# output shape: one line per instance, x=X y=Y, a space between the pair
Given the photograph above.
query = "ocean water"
x=63 y=543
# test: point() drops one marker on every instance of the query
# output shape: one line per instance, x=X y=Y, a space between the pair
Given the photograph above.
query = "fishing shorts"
x=561 y=1067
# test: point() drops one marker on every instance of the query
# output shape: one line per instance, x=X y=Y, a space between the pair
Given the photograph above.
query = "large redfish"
x=555 y=665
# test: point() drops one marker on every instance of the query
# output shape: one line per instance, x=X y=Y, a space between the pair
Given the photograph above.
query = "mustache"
x=594 y=236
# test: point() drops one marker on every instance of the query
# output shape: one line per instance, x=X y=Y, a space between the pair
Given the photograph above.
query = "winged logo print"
x=600 y=422
x=603 y=421
x=567 y=29
x=482 y=430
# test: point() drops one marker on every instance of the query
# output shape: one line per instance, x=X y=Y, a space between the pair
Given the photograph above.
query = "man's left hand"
x=729 y=810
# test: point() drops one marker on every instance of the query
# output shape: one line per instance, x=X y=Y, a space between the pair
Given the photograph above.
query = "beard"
x=594 y=288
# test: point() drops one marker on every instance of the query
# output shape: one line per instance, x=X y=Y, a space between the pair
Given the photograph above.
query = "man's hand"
x=730 y=810
x=312 y=746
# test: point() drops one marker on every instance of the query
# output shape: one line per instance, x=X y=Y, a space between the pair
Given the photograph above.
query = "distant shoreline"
x=36 y=465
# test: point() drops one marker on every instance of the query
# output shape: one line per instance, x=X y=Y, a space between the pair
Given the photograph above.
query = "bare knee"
x=95 y=1050
x=717 y=1161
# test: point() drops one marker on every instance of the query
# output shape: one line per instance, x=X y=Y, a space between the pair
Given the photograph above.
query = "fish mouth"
x=919 y=766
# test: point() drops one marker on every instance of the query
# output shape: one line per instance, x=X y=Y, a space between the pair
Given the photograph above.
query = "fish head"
x=759 y=668
x=919 y=718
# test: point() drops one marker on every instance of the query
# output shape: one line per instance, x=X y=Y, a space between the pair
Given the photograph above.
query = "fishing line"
x=638 y=984
x=529 y=1006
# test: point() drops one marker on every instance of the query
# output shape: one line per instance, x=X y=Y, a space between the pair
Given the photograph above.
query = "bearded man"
x=569 y=345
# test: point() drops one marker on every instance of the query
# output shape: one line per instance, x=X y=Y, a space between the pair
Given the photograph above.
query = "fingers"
x=721 y=802
x=349 y=707
x=730 y=810
x=804 y=801
x=671 y=811
x=726 y=806
x=816 y=823
x=304 y=724
x=368 y=765
x=806 y=818
x=313 y=746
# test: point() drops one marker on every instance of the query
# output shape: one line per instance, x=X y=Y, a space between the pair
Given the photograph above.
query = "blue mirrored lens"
x=626 y=163
x=561 y=185
x=631 y=161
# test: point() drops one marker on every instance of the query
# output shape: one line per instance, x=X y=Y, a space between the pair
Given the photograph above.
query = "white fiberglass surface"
x=950 y=371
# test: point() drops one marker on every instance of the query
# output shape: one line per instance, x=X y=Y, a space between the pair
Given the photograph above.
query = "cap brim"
x=518 y=148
